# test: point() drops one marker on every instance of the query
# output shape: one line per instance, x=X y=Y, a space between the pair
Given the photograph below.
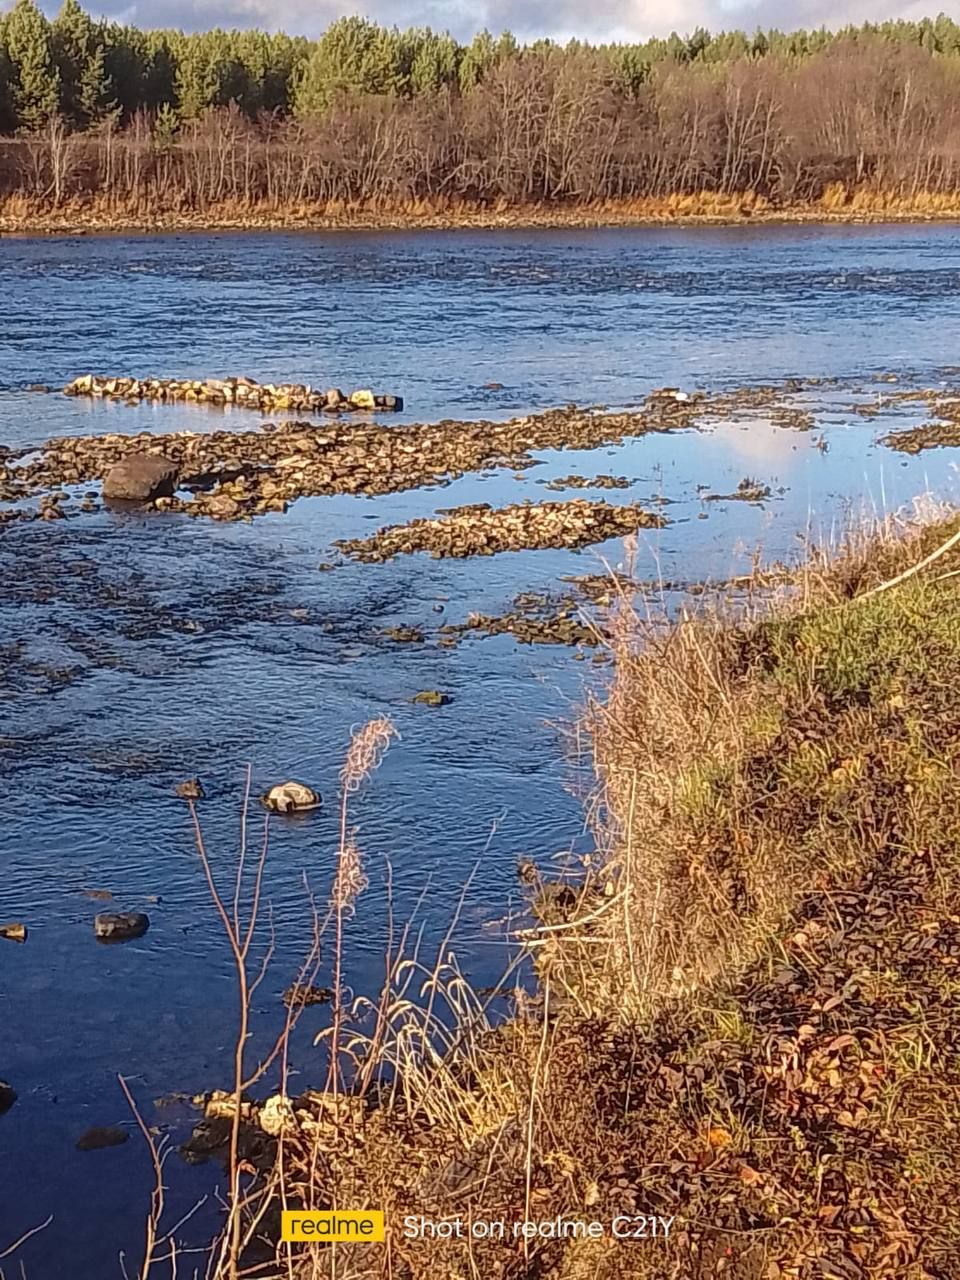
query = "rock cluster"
x=931 y=435
x=482 y=531
x=244 y=392
x=561 y=627
x=586 y=482
x=322 y=1117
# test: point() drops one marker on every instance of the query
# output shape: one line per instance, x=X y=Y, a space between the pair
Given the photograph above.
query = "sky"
x=527 y=19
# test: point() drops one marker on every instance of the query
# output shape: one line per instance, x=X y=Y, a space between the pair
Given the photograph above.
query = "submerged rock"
x=527 y=872
x=556 y=903
x=208 y=1137
x=303 y=993
x=118 y=926
x=141 y=477
x=748 y=490
x=432 y=698
x=14 y=931
x=586 y=482
x=100 y=1136
x=291 y=797
x=405 y=635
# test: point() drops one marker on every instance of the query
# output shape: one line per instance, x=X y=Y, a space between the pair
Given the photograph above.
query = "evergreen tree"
x=7 y=119
x=353 y=55
x=288 y=55
x=35 y=83
x=197 y=78
x=90 y=71
x=78 y=50
x=165 y=125
x=435 y=62
x=478 y=57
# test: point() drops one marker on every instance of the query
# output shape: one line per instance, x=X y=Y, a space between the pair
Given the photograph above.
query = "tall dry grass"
x=716 y=747
x=20 y=213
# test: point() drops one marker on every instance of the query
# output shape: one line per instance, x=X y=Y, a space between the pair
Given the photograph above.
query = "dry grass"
x=26 y=215
x=734 y=749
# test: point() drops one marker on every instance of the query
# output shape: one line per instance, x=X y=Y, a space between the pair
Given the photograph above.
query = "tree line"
x=370 y=113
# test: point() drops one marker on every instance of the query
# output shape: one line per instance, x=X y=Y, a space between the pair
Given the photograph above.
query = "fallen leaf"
x=718 y=1138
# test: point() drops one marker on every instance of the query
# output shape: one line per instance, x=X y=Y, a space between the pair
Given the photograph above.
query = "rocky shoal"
x=480 y=530
x=238 y=474
x=234 y=475
x=931 y=435
x=243 y=392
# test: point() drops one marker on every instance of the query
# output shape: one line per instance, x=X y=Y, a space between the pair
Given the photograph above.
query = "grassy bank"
x=746 y=1021
x=22 y=215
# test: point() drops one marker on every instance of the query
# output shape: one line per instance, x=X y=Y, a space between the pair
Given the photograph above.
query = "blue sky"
x=589 y=19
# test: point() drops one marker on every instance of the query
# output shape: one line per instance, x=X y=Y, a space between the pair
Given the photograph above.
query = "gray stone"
x=118 y=926
x=139 y=477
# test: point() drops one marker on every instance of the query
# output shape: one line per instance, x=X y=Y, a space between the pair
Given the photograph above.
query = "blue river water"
x=137 y=650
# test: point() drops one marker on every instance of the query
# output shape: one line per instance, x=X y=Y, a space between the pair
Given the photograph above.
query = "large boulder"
x=140 y=477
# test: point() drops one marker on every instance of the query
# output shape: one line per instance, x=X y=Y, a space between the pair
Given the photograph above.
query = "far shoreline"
x=76 y=219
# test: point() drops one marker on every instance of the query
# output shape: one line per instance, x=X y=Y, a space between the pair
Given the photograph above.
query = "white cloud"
x=561 y=19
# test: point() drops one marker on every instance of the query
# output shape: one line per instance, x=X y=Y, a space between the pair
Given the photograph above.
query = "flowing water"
x=136 y=650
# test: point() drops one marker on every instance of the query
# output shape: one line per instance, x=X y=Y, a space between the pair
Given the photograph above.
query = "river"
x=137 y=650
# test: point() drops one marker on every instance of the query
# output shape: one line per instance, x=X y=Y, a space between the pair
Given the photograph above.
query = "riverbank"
x=20 y=215
x=746 y=1030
